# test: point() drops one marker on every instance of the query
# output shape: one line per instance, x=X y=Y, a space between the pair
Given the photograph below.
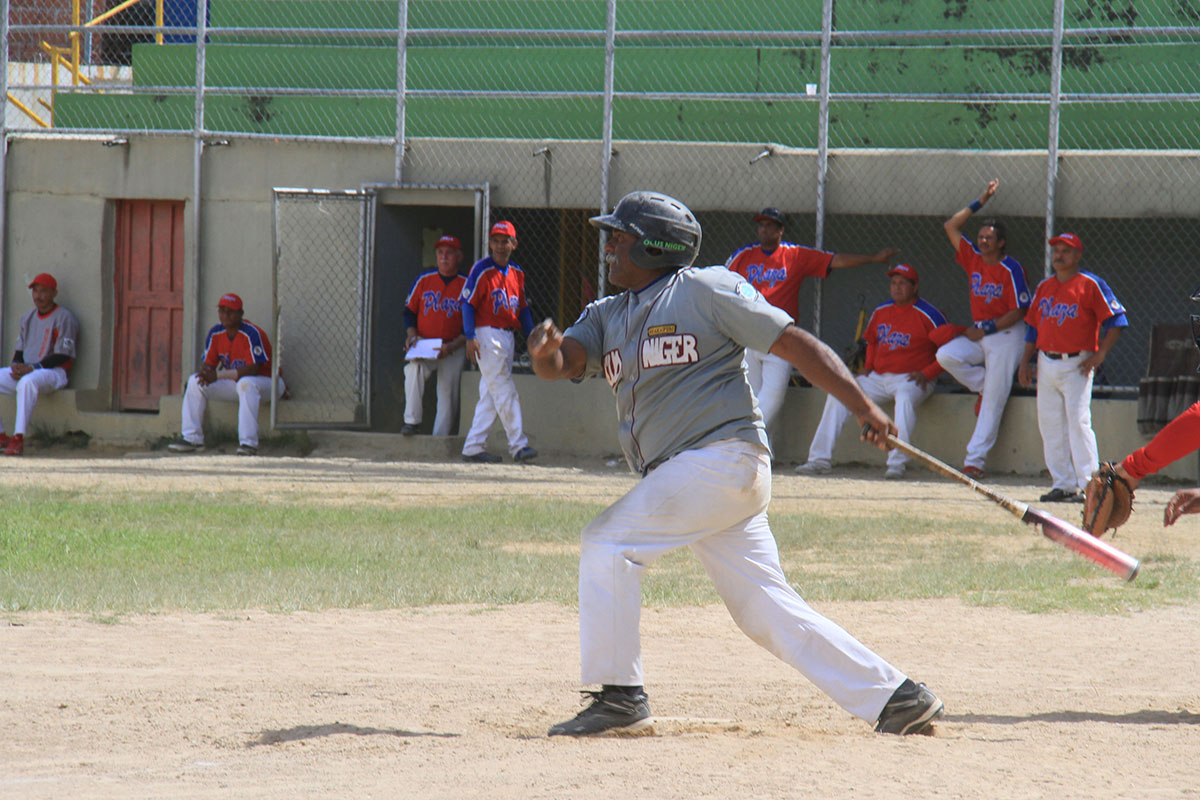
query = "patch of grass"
x=140 y=554
x=52 y=437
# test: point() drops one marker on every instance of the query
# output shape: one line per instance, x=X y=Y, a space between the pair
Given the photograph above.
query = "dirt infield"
x=453 y=702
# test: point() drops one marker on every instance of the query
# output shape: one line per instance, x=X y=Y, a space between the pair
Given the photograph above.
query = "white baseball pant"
x=248 y=392
x=985 y=367
x=768 y=375
x=880 y=387
x=449 y=372
x=714 y=500
x=27 y=388
x=497 y=393
x=1064 y=406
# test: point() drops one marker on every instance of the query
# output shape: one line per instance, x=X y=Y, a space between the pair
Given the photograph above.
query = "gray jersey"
x=672 y=354
x=38 y=336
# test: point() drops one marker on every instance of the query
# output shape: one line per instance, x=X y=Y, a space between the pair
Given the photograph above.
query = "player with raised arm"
x=777 y=268
x=985 y=357
x=671 y=348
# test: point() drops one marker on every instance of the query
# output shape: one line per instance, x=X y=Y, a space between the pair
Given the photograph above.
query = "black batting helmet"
x=668 y=235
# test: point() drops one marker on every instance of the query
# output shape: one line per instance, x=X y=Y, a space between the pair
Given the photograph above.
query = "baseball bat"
x=1054 y=529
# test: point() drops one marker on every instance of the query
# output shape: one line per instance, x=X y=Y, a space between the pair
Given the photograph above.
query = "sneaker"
x=3 y=440
x=974 y=473
x=483 y=457
x=978 y=404
x=184 y=446
x=525 y=454
x=814 y=468
x=894 y=473
x=1060 y=496
x=408 y=430
x=912 y=709
x=16 y=445
x=611 y=711
x=247 y=450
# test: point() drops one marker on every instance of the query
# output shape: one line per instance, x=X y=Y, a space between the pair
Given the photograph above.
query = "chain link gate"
x=323 y=245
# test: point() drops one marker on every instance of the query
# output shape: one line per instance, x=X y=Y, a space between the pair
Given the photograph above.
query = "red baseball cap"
x=44 y=279
x=448 y=241
x=906 y=270
x=230 y=300
x=504 y=228
x=1069 y=239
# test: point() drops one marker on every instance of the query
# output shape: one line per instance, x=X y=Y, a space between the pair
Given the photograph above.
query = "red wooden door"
x=148 y=267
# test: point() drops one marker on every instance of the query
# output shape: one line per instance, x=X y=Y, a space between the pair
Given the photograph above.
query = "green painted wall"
x=1099 y=64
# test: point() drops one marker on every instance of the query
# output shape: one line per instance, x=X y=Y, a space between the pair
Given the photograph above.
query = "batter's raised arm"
x=954 y=225
x=823 y=369
x=553 y=356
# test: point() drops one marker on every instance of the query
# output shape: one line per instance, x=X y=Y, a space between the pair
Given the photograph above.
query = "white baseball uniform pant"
x=449 y=373
x=27 y=388
x=497 y=393
x=880 y=387
x=1064 y=407
x=714 y=500
x=768 y=375
x=985 y=367
x=248 y=392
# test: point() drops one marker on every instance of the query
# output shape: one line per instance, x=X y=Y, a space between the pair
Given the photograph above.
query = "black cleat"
x=612 y=711
x=408 y=430
x=912 y=709
x=482 y=458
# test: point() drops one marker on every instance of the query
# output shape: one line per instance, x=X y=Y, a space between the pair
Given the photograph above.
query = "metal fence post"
x=610 y=60
x=822 y=147
x=3 y=146
x=197 y=176
x=401 y=86
x=1052 y=140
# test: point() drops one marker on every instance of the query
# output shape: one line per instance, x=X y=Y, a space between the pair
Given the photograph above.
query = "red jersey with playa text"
x=898 y=338
x=248 y=346
x=437 y=303
x=1068 y=316
x=496 y=293
x=995 y=288
x=778 y=275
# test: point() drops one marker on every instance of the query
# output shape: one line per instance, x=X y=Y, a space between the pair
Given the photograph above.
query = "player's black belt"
x=1061 y=355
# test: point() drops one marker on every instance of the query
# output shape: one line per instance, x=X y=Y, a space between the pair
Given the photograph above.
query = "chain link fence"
x=868 y=121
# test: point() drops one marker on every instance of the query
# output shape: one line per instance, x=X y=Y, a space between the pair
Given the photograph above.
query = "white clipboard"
x=424 y=348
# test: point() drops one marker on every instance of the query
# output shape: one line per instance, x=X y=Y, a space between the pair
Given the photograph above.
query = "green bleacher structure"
x=577 y=65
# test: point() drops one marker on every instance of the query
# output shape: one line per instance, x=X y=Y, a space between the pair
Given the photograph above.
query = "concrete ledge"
x=580 y=419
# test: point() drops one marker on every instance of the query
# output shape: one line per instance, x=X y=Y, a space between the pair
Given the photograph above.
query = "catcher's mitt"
x=1108 y=501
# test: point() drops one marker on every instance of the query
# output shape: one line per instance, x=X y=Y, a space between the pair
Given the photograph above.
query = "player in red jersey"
x=1068 y=312
x=985 y=357
x=900 y=367
x=434 y=311
x=236 y=368
x=777 y=269
x=493 y=307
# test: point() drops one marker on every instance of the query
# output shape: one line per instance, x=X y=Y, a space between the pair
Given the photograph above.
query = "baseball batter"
x=1069 y=310
x=985 y=357
x=777 y=269
x=900 y=366
x=235 y=368
x=493 y=306
x=434 y=311
x=46 y=337
x=671 y=347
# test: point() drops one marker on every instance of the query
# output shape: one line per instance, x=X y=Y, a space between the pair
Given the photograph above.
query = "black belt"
x=1061 y=355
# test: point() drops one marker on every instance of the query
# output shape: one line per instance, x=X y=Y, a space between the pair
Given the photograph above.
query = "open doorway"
x=407 y=225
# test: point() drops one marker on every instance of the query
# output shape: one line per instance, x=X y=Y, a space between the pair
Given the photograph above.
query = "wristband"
x=987 y=326
x=975 y=206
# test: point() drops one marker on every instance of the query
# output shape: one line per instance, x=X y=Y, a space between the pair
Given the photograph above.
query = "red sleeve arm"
x=1180 y=437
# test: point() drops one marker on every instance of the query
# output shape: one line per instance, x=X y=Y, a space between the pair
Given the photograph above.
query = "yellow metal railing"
x=70 y=57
